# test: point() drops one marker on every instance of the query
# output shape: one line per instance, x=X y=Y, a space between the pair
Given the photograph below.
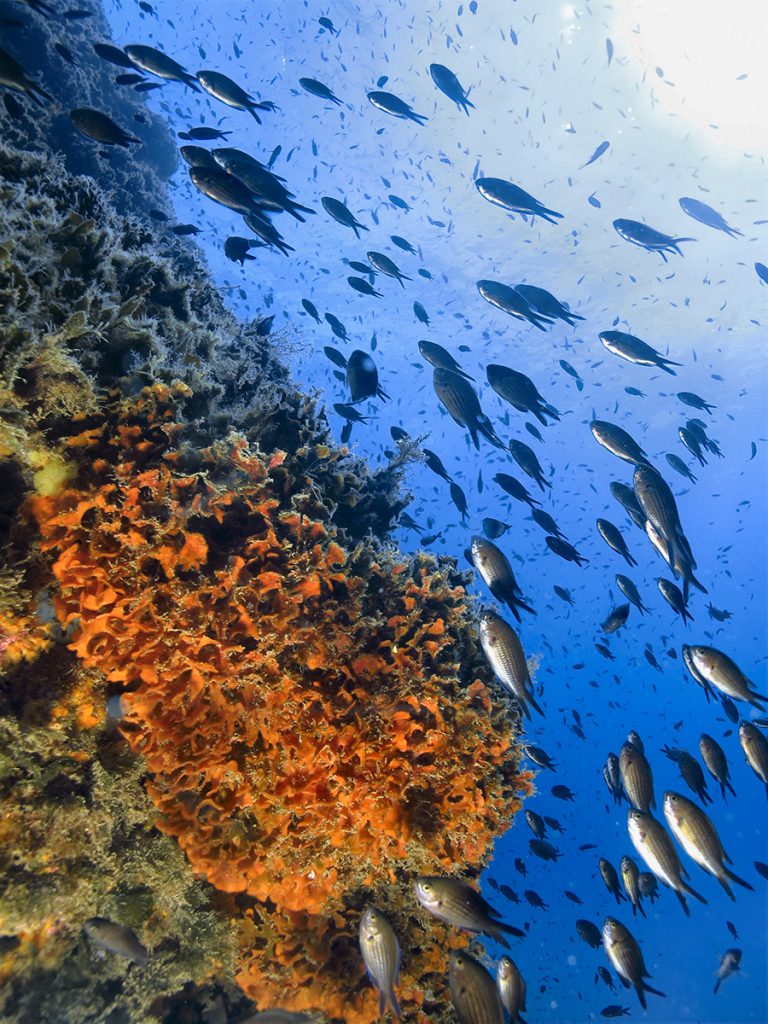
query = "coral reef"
x=304 y=710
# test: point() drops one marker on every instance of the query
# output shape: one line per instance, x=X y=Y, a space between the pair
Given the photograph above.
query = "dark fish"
x=447 y=82
x=648 y=238
x=628 y=347
x=704 y=214
x=474 y=995
x=630 y=876
x=510 y=301
x=421 y=314
x=690 y=770
x=526 y=459
x=459 y=499
x=543 y=850
x=514 y=489
x=509 y=894
x=730 y=961
x=692 y=444
x=337 y=327
x=533 y=897
x=101 y=128
x=222 y=88
x=627 y=959
x=115 y=938
x=496 y=572
x=311 y=85
x=185 y=229
x=611 y=879
x=196 y=156
x=457 y=903
x=399 y=203
x=13 y=76
x=561 y=792
x=155 y=62
x=224 y=188
x=612 y=776
x=434 y=462
x=713 y=667
x=573 y=897
x=546 y=522
x=717 y=764
x=762 y=272
x=132 y=79
x=589 y=932
x=761 y=868
x=202 y=133
x=113 y=55
x=262 y=227
x=340 y=213
x=66 y=54
x=563 y=594
x=618 y=442
x=600 y=149
x=349 y=413
x=267 y=188
x=363 y=378
x=519 y=391
x=461 y=402
x=494 y=528
x=614 y=1011
x=236 y=249
x=539 y=757
x=629 y=590
x=680 y=467
x=545 y=303
x=403 y=244
x=616 y=619
x=364 y=287
x=755 y=747
x=328 y=25
x=674 y=598
x=603 y=975
x=572 y=373
x=393 y=105
x=536 y=823
x=613 y=538
x=512 y=198
x=311 y=309
x=564 y=550
x=386 y=266
x=692 y=399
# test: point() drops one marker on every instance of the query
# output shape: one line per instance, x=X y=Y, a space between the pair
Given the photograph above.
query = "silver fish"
x=381 y=953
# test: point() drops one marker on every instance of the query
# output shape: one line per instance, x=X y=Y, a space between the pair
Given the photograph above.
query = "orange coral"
x=302 y=710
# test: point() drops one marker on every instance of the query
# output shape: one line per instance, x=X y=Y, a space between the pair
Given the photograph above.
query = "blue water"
x=681 y=114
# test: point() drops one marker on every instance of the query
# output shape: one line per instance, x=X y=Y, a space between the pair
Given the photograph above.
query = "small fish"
x=695 y=401
x=95 y=125
x=539 y=757
x=616 y=619
x=340 y=213
x=613 y=538
x=729 y=965
x=511 y=986
x=712 y=667
x=421 y=314
x=697 y=835
x=236 y=249
x=563 y=593
x=494 y=528
x=674 y=598
x=202 y=133
x=629 y=590
x=115 y=938
x=222 y=88
x=611 y=879
x=386 y=266
x=311 y=85
x=614 y=1011
x=648 y=238
x=364 y=287
x=636 y=351
x=564 y=550
x=589 y=932
x=762 y=272
x=655 y=847
x=705 y=214
x=501 y=646
x=527 y=460
x=755 y=747
x=561 y=792
x=627 y=959
x=546 y=304
x=618 y=442
x=636 y=777
x=496 y=572
x=391 y=104
x=155 y=62
x=381 y=954
x=363 y=378
x=510 y=301
x=474 y=994
x=311 y=309
x=543 y=849
x=572 y=373
x=602 y=148
x=402 y=243
x=457 y=903
x=514 y=199
x=520 y=391
x=630 y=876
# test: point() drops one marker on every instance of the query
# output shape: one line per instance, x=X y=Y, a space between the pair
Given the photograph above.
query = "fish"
x=336 y=209
x=627 y=959
x=99 y=127
x=363 y=378
x=267 y=188
x=386 y=266
x=459 y=499
x=691 y=443
x=762 y=272
x=564 y=550
x=612 y=776
x=236 y=249
x=716 y=669
x=589 y=932
x=514 y=489
x=448 y=84
x=474 y=994
x=543 y=849
x=510 y=301
x=613 y=538
x=454 y=901
x=546 y=304
x=572 y=373
x=393 y=105
x=434 y=462
x=690 y=770
x=349 y=413
x=421 y=314
x=634 y=350
x=364 y=287
x=705 y=214
x=655 y=847
x=680 y=467
x=563 y=593
x=203 y=133
x=496 y=572
x=539 y=757
x=629 y=590
x=674 y=598
x=494 y=528
x=402 y=243
x=536 y=823
x=546 y=522
x=511 y=986
x=225 y=189
x=616 y=619
x=761 y=868
x=533 y=897
x=755 y=747
x=714 y=758
x=648 y=238
x=66 y=54
x=695 y=401
x=602 y=148
x=381 y=954
x=729 y=964
x=649 y=887
x=155 y=62
x=520 y=392
x=113 y=55
x=311 y=309
x=315 y=88
x=636 y=777
x=618 y=442
x=630 y=876
x=14 y=76
x=224 y=89
x=694 y=831
x=526 y=459
x=337 y=327
x=611 y=879
x=196 y=156
x=116 y=938
x=461 y=402
x=614 y=1011
x=561 y=792
x=628 y=501
x=513 y=199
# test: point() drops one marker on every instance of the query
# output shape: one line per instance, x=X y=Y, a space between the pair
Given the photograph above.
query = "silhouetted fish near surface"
x=704 y=214
x=526 y=459
x=520 y=392
x=602 y=148
x=590 y=933
x=155 y=62
x=510 y=301
x=695 y=401
x=224 y=89
x=387 y=266
x=648 y=238
x=448 y=84
x=613 y=538
x=514 y=199
x=393 y=105
x=315 y=88
x=680 y=467
x=628 y=347
x=546 y=303
x=95 y=125
x=438 y=356
x=342 y=214
x=564 y=550
x=363 y=378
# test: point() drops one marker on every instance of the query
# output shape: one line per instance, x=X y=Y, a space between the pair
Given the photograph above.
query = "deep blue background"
x=546 y=96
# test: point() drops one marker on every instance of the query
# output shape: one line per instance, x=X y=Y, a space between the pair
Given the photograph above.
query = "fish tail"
x=640 y=908
x=683 y=902
x=717 y=986
x=735 y=878
x=665 y=365
x=692 y=892
x=640 y=989
x=535 y=705
x=551 y=216
x=253 y=114
x=730 y=787
x=630 y=559
x=355 y=227
x=655 y=991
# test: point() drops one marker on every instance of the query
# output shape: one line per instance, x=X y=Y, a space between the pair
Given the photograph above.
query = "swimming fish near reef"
x=655 y=847
x=496 y=572
x=381 y=954
x=155 y=62
x=755 y=747
x=510 y=301
x=236 y=248
x=697 y=835
x=447 y=82
x=648 y=238
x=474 y=994
x=514 y=199
x=438 y=356
x=544 y=302
x=115 y=938
x=501 y=646
x=95 y=125
x=457 y=903
x=113 y=54
x=222 y=88
x=627 y=959
x=618 y=442
x=363 y=378
x=393 y=105
x=704 y=214
x=628 y=347
x=589 y=932
x=13 y=76
x=463 y=405
x=511 y=986
x=520 y=392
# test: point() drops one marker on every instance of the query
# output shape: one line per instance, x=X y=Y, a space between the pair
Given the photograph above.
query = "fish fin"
x=736 y=879
x=730 y=787
x=534 y=704
x=655 y=991
x=717 y=986
x=640 y=989
x=683 y=902
x=255 y=115
x=692 y=892
x=663 y=366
